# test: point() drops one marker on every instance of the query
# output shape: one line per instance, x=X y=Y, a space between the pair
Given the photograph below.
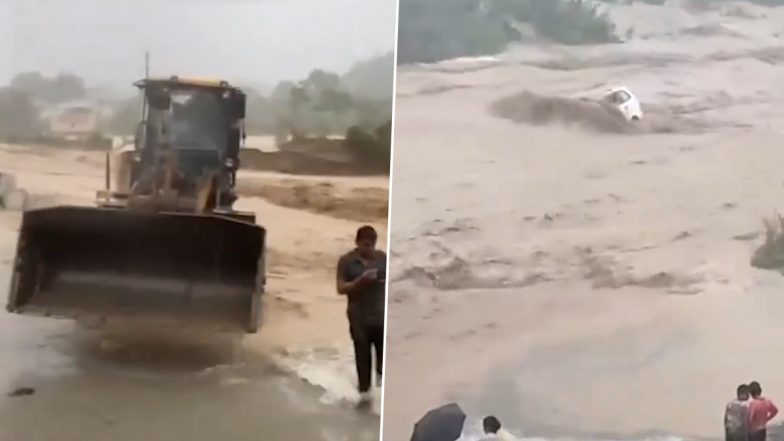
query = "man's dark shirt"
x=366 y=303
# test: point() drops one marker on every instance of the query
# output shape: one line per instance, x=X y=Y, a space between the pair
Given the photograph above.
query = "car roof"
x=620 y=89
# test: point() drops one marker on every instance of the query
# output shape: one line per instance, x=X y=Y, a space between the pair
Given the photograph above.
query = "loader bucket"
x=106 y=264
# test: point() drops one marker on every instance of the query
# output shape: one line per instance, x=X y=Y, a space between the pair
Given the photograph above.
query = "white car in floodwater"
x=623 y=100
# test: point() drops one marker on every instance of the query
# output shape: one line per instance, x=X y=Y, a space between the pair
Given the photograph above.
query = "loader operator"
x=198 y=122
x=361 y=275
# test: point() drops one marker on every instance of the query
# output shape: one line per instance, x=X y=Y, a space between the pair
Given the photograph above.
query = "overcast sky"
x=262 y=41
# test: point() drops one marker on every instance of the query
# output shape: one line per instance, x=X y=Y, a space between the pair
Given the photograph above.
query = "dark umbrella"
x=442 y=424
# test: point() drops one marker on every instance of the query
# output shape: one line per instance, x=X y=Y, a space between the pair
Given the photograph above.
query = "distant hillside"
x=434 y=30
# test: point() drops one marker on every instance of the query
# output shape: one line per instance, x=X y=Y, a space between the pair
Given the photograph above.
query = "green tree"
x=63 y=87
x=282 y=91
x=299 y=96
x=335 y=101
x=18 y=114
x=324 y=104
x=319 y=80
x=372 y=148
x=31 y=82
x=434 y=30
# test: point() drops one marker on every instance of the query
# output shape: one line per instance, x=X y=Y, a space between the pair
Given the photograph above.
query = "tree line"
x=357 y=105
x=21 y=98
x=435 y=30
x=322 y=104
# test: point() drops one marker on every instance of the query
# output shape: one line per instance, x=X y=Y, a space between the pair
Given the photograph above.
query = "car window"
x=621 y=97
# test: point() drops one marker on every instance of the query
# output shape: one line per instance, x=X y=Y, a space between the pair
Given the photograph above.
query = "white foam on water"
x=472 y=431
x=481 y=59
x=478 y=437
x=329 y=368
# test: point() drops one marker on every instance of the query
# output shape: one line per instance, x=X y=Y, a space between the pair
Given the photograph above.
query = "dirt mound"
x=526 y=107
x=94 y=142
x=299 y=163
x=311 y=156
x=356 y=204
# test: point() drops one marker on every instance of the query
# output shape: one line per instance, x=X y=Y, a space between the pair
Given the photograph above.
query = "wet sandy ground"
x=292 y=380
x=576 y=280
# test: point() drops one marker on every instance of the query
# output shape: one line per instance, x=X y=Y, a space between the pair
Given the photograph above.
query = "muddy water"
x=577 y=280
x=81 y=396
x=91 y=385
x=292 y=380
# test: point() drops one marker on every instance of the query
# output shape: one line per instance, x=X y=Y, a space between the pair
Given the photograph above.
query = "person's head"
x=366 y=240
x=743 y=392
x=755 y=389
x=491 y=424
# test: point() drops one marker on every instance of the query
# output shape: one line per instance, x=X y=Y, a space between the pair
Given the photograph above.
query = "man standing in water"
x=736 y=416
x=361 y=276
x=761 y=410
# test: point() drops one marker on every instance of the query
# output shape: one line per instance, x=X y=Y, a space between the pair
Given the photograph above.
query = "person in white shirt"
x=493 y=430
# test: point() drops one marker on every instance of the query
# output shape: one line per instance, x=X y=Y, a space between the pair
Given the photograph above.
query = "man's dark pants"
x=759 y=435
x=737 y=436
x=366 y=337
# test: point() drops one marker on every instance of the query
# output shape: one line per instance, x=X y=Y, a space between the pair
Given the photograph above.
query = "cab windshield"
x=198 y=120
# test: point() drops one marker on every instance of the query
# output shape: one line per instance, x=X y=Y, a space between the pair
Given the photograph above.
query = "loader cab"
x=193 y=115
x=202 y=120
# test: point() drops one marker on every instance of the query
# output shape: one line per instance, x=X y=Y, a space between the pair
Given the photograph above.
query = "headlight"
x=230 y=163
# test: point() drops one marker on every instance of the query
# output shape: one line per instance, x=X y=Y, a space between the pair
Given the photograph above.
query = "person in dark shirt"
x=361 y=277
x=736 y=416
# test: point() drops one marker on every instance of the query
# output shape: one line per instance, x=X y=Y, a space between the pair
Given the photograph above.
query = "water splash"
x=329 y=368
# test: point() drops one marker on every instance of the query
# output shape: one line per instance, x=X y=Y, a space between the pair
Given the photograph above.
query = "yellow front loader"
x=163 y=243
